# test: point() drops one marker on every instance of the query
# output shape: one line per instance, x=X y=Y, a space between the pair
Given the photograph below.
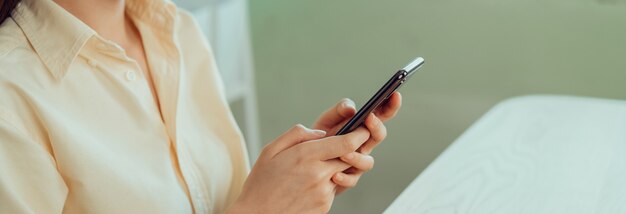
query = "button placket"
x=108 y=46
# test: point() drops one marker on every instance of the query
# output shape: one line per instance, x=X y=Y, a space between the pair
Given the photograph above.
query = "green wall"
x=309 y=54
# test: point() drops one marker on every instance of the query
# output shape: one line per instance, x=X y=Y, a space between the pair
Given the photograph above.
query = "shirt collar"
x=58 y=36
x=55 y=34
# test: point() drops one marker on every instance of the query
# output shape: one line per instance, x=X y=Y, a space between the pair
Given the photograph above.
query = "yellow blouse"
x=80 y=131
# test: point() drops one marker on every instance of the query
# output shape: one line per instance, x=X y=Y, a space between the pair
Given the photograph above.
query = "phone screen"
x=399 y=78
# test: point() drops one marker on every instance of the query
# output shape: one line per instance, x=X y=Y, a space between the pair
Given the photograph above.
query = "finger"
x=390 y=108
x=337 y=146
x=293 y=136
x=343 y=110
x=378 y=133
x=346 y=180
x=362 y=162
x=336 y=165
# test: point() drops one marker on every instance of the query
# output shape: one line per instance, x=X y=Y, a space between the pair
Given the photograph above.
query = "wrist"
x=239 y=207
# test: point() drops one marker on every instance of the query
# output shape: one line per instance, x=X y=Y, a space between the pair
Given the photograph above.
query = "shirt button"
x=130 y=75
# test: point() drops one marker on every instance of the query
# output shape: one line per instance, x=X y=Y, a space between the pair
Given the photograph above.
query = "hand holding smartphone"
x=392 y=85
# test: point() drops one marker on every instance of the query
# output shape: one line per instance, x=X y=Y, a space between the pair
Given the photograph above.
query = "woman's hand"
x=293 y=173
x=334 y=118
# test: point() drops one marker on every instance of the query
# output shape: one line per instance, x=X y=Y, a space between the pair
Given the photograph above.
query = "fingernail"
x=319 y=132
x=349 y=103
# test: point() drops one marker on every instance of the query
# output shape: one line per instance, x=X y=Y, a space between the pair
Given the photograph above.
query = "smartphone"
x=381 y=96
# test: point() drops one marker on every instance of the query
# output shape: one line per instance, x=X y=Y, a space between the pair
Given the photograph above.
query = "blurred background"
x=297 y=58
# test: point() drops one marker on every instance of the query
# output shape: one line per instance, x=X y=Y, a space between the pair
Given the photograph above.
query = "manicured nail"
x=319 y=132
x=349 y=103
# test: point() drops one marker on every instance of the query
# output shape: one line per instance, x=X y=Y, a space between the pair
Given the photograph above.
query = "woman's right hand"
x=293 y=173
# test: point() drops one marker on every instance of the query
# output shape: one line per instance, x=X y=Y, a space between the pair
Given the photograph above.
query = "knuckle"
x=310 y=172
x=349 y=143
x=300 y=161
x=346 y=146
x=301 y=170
x=301 y=157
x=298 y=154
x=317 y=176
x=267 y=149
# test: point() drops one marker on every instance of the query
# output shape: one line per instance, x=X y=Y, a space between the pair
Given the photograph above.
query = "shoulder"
x=185 y=21
x=10 y=36
x=193 y=44
x=19 y=69
x=12 y=39
x=189 y=33
x=16 y=54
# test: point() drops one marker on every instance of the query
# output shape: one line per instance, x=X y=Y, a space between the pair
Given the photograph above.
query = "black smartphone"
x=381 y=96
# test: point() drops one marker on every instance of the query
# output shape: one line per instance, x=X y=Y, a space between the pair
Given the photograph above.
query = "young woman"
x=117 y=107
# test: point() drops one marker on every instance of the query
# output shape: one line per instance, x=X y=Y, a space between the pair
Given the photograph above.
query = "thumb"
x=343 y=110
x=297 y=134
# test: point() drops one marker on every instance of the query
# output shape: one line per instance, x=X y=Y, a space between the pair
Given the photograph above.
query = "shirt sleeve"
x=29 y=179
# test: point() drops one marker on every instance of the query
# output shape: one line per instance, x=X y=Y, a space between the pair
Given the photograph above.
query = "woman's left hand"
x=334 y=118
